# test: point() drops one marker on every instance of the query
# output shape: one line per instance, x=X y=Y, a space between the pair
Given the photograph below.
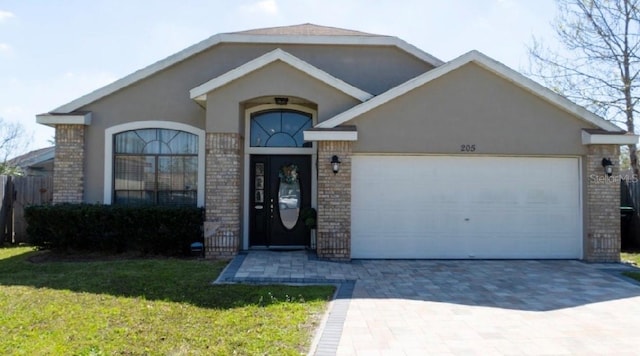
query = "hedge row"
x=112 y=228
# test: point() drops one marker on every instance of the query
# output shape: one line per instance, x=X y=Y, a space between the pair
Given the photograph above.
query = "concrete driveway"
x=395 y=307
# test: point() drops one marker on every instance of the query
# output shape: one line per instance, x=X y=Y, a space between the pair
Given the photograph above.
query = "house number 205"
x=467 y=148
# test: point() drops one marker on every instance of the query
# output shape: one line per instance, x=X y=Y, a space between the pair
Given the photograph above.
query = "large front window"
x=155 y=166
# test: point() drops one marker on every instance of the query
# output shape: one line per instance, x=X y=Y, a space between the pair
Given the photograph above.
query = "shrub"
x=113 y=228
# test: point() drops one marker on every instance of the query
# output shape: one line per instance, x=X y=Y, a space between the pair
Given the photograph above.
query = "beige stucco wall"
x=470 y=106
x=165 y=95
x=374 y=69
x=276 y=79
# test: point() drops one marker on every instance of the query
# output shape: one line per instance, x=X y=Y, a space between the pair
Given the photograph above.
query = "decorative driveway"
x=430 y=307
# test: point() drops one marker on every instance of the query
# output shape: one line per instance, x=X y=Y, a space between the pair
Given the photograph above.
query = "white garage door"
x=465 y=207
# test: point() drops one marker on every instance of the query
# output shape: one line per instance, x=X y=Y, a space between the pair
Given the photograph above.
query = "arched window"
x=279 y=128
x=155 y=166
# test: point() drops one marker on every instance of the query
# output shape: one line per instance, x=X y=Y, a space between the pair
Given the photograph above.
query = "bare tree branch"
x=598 y=65
x=12 y=141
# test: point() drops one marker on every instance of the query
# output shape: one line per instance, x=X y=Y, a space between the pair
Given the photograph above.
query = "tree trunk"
x=633 y=156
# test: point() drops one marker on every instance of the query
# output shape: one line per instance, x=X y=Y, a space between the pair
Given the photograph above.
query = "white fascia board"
x=200 y=92
x=394 y=93
x=336 y=40
x=238 y=38
x=139 y=75
x=330 y=135
x=608 y=139
x=487 y=63
x=71 y=119
x=541 y=91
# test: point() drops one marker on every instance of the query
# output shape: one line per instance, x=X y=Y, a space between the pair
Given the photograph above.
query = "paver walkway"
x=396 y=307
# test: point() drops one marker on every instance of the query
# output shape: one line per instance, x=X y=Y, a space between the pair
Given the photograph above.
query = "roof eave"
x=53 y=119
x=608 y=138
x=342 y=133
x=488 y=63
x=199 y=93
x=240 y=38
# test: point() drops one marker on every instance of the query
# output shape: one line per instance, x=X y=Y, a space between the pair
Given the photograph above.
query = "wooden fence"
x=17 y=193
x=630 y=222
x=631 y=195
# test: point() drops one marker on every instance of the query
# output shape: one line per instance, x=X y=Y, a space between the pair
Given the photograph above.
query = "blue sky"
x=52 y=52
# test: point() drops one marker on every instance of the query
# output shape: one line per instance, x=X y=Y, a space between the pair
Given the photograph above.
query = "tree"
x=599 y=64
x=12 y=139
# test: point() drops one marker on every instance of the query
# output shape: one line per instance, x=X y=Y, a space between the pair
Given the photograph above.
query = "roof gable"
x=199 y=93
x=299 y=34
x=487 y=63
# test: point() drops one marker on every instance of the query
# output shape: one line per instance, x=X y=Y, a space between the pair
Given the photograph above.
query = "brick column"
x=334 y=201
x=222 y=195
x=603 y=206
x=68 y=165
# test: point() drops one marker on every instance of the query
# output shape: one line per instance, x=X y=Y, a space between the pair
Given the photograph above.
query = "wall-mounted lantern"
x=608 y=166
x=281 y=100
x=335 y=164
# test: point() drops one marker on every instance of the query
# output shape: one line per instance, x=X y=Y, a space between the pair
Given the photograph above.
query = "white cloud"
x=269 y=7
x=5 y=15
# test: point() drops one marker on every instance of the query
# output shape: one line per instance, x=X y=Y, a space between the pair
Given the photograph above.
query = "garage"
x=465 y=207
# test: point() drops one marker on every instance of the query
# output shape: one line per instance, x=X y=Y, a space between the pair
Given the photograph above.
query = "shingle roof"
x=307 y=29
x=33 y=157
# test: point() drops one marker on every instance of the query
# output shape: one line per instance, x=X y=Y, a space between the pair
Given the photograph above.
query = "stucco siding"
x=374 y=69
x=165 y=95
x=275 y=79
x=470 y=106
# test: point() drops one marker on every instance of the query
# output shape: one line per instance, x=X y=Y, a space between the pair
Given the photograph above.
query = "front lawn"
x=630 y=256
x=147 y=307
x=633 y=258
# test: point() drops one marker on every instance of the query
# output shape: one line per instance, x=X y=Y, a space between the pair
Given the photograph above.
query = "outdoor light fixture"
x=281 y=101
x=608 y=166
x=335 y=164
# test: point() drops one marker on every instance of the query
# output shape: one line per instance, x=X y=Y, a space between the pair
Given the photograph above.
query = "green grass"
x=630 y=256
x=633 y=258
x=148 y=307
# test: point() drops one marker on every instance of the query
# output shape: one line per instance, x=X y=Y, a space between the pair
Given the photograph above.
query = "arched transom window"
x=155 y=166
x=279 y=128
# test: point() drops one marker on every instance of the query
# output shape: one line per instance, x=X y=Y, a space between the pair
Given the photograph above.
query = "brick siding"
x=334 y=201
x=222 y=195
x=68 y=175
x=603 y=206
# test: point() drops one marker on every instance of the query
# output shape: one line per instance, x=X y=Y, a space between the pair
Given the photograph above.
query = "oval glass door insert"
x=289 y=202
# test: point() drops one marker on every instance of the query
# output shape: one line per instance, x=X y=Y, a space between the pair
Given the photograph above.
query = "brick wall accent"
x=334 y=201
x=223 y=181
x=68 y=165
x=603 y=206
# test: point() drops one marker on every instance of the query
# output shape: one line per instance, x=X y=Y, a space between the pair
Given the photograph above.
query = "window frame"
x=253 y=117
x=109 y=154
x=248 y=149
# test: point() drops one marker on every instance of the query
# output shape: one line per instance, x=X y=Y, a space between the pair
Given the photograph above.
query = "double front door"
x=280 y=190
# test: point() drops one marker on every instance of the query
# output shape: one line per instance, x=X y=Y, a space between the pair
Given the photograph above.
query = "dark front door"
x=280 y=189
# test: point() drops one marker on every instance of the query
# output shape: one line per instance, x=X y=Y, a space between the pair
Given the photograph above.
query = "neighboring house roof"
x=298 y=34
x=34 y=158
x=489 y=64
x=306 y=29
x=200 y=92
